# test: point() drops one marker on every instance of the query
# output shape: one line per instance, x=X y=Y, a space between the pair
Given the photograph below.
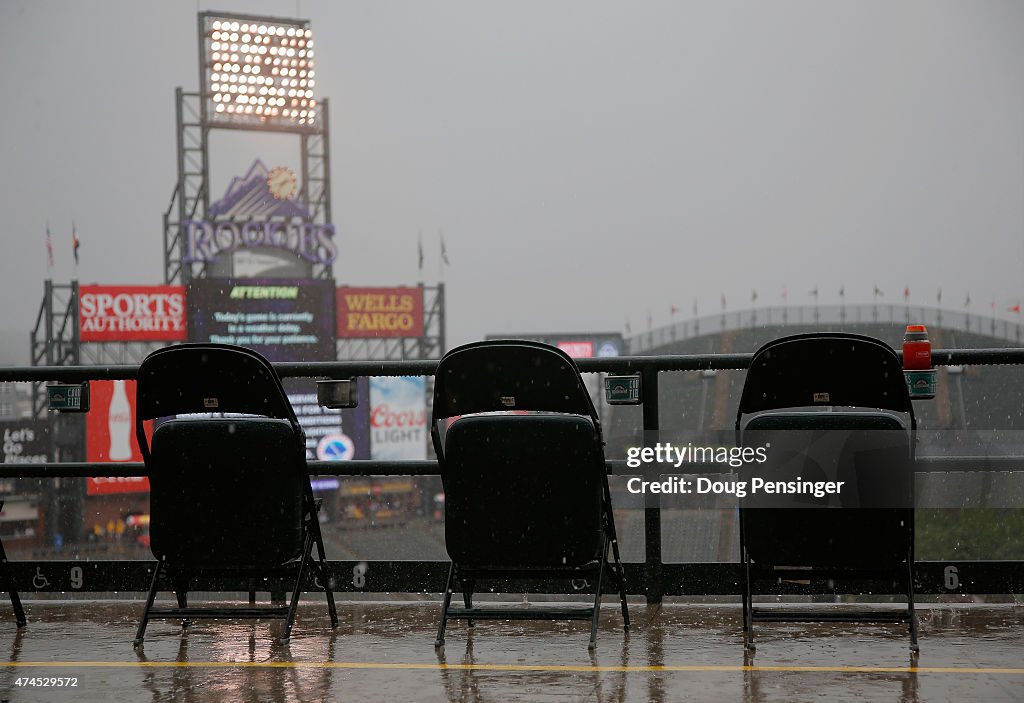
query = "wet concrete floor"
x=384 y=651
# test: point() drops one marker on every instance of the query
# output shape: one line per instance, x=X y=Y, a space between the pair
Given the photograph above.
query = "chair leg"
x=467 y=596
x=5 y=578
x=141 y=632
x=19 y=610
x=332 y=608
x=181 y=594
x=748 y=606
x=439 y=642
x=910 y=604
x=620 y=575
x=307 y=548
x=597 y=596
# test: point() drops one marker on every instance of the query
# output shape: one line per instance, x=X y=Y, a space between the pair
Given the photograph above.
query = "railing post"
x=652 y=515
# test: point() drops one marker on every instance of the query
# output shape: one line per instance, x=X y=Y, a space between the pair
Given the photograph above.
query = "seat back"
x=224 y=490
x=862 y=435
x=522 y=459
x=523 y=490
x=868 y=524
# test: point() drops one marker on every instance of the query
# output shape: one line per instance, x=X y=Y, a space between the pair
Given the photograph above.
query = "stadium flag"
x=785 y=295
x=753 y=296
x=723 y=302
x=419 y=245
x=938 y=297
x=628 y=330
x=814 y=293
x=967 y=300
x=906 y=294
x=673 y=310
x=842 y=291
x=74 y=241
x=444 y=252
x=49 y=247
x=878 y=292
x=1015 y=308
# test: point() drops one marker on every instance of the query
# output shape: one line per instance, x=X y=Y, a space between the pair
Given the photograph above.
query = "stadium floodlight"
x=257 y=72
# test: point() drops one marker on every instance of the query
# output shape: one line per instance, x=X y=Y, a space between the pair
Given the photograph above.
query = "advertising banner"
x=25 y=441
x=577 y=350
x=380 y=312
x=110 y=435
x=398 y=418
x=582 y=345
x=331 y=435
x=282 y=319
x=132 y=313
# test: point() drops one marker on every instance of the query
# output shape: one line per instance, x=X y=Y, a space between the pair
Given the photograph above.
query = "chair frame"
x=179 y=577
x=762 y=395
x=489 y=400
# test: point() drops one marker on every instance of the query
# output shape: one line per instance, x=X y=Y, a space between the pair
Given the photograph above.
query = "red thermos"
x=917 y=350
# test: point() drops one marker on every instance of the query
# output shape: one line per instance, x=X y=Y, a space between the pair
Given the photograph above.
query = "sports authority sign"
x=132 y=313
x=380 y=312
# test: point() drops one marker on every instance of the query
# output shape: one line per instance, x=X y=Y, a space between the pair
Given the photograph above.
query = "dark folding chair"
x=855 y=424
x=7 y=584
x=230 y=495
x=526 y=493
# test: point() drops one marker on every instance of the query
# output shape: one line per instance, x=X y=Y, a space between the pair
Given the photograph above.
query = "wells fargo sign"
x=380 y=312
x=132 y=313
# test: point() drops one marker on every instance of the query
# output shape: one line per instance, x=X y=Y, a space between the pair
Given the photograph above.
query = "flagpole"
x=419 y=251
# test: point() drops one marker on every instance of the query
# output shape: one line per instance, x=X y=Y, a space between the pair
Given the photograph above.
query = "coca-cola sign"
x=132 y=313
x=110 y=435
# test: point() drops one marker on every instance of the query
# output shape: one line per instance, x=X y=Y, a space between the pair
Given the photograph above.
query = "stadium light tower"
x=257 y=72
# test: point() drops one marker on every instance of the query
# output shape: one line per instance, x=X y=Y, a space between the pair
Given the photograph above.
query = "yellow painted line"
x=569 y=668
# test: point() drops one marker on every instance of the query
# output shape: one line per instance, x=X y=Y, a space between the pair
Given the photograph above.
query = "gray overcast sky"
x=587 y=161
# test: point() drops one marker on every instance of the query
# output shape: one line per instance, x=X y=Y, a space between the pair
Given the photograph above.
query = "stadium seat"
x=522 y=462
x=830 y=407
x=230 y=494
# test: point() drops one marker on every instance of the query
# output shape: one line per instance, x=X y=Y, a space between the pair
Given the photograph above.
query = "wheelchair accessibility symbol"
x=39 y=581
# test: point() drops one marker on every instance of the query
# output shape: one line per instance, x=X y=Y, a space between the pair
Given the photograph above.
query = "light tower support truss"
x=55 y=337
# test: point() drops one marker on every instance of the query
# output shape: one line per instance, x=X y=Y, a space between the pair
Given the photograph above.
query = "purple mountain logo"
x=249 y=197
x=249 y=216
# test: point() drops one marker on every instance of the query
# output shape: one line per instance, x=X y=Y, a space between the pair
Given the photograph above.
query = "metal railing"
x=651 y=578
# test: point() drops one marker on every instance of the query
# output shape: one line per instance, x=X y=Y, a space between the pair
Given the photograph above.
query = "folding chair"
x=7 y=583
x=526 y=488
x=852 y=425
x=230 y=495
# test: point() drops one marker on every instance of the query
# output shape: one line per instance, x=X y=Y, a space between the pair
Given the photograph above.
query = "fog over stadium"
x=587 y=163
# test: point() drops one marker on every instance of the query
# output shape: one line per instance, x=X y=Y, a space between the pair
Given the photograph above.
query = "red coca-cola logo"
x=384 y=416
